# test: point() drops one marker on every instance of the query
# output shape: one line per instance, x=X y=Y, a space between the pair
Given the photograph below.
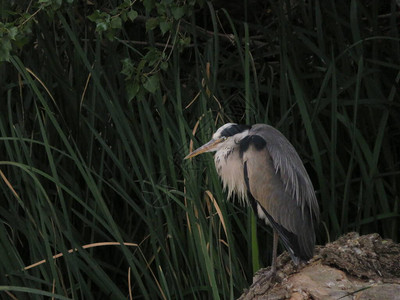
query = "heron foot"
x=265 y=274
x=263 y=279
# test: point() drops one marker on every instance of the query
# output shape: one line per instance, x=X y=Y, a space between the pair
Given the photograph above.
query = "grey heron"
x=262 y=167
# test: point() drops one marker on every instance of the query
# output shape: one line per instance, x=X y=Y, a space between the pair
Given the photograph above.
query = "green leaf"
x=132 y=88
x=110 y=34
x=165 y=26
x=184 y=41
x=151 y=84
x=94 y=16
x=126 y=4
x=101 y=26
x=161 y=8
x=5 y=49
x=151 y=24
x=178 y=12
x=132 y=15
x=12 y=32
x=116 y=22
x=164 y=65
x=127 y=67
x=153 y=56
x=149 y=5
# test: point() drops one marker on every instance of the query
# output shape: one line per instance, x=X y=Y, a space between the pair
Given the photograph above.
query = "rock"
x=367 y=256
x=353 y=267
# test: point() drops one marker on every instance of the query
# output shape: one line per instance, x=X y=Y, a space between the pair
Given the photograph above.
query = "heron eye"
x=224 y=138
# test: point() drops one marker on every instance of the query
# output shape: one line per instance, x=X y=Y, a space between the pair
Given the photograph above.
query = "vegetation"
x=101 y=100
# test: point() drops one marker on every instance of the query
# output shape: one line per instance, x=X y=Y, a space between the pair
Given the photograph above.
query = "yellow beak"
x=205 y=148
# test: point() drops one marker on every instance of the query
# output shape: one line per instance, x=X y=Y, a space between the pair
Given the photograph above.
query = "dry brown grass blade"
x=93 y=245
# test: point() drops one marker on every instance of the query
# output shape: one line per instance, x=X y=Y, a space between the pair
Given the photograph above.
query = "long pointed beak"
x=205 y=148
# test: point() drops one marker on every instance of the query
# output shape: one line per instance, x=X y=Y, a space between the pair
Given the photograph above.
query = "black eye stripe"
x=234 y=129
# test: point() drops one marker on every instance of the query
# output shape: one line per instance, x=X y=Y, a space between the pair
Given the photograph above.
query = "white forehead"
x=217 y=134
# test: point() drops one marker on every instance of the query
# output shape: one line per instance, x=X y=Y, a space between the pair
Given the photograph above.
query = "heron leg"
x=263 y=278
x=274 y=251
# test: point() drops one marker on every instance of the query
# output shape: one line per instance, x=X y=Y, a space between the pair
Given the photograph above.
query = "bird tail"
x=291 y=242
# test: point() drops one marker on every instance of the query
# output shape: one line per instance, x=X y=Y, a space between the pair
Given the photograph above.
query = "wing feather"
x=288 y=164
x=278 y=181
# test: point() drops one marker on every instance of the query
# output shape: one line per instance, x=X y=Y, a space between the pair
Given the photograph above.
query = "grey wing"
x=278 y=182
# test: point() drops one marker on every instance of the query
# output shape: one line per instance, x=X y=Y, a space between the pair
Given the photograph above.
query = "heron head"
x=220 y=138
